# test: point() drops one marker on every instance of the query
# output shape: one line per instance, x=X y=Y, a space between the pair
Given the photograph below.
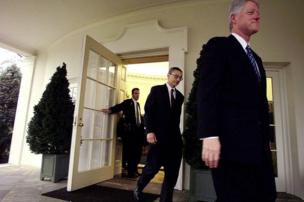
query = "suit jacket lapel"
x=166 y=95
x=132 y=109
x=237 y=47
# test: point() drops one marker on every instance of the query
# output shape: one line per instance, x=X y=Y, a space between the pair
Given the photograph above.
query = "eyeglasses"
x=177 y=77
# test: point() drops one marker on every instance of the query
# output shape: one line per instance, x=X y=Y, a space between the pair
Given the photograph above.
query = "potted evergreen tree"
x=201 y=185
x=50 y=129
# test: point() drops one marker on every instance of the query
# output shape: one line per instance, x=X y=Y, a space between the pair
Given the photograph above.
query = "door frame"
x=277 y=70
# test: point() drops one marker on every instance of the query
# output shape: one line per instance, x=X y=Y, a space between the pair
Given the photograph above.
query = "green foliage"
x=192 y=145
x=50 y=129
x=10 y=79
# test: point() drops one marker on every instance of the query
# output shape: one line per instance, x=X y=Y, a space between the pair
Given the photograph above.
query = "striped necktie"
x=253 y=62
x=137 y=114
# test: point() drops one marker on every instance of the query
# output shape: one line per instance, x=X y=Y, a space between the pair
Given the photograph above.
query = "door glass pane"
x=122 y=94
x=97 y=95
x=111 y=74
x=94 y=154
x=86 y=130
x=96 y=125
x=123 y=73
x=106 y=147
x=101 y=69
x=101 y=154
x=272 y=125
x=85 y=156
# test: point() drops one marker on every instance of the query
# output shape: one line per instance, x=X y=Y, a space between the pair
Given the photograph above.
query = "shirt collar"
x=242 y=41
x=169 y=87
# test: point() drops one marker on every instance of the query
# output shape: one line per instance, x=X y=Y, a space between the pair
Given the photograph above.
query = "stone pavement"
x=22 y=184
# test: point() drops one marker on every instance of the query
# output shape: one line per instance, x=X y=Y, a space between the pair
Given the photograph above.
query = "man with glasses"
x=162 y=118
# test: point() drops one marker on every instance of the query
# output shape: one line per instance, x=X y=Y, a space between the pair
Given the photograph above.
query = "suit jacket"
x=160 y=117
x=232 y=103
x=127 y=106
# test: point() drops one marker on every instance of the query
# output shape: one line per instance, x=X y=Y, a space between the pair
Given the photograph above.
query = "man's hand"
x=151 y=138
x=211 y=152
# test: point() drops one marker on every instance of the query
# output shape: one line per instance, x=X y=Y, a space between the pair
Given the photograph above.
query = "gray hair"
x=236 y=6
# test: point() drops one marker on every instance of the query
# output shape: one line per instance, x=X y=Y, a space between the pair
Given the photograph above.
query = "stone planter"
x=54 y=167
x=201 y=186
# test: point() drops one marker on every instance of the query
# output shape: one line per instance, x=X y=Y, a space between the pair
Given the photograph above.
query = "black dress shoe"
x=137 y=195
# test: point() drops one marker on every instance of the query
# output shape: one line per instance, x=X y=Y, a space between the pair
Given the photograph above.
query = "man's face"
x=135 y=95
x=247 y=21
x=174 y=78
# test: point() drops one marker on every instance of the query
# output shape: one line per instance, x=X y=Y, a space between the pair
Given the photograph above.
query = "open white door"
x=93 y=143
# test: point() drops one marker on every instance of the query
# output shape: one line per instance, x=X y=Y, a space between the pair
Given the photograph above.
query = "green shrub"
x=50 y=129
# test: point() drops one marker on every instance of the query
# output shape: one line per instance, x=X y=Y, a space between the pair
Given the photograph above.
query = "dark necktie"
x=253 y=62
x=137 y=116
x=172 y=97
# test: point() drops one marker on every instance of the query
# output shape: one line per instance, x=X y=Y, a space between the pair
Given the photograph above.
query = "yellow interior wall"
x=269 y=89
x=144 y=83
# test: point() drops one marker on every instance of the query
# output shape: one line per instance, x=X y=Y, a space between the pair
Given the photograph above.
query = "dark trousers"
x=243 y=182
x=168 y=157
x=132 y=149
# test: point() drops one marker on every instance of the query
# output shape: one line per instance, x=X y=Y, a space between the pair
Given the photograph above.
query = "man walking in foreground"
x=233 y=111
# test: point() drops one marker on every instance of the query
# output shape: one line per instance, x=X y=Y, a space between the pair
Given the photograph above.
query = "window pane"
x=84 y=156
x=101 y=69
x=96 y=125
x=105 y=152
x=94 y=154
x=97 y=95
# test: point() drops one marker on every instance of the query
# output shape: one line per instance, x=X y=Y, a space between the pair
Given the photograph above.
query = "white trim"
x=16 y=50
x=279 y=70
x=21 y=117
x=286 y=137
x=22 y=110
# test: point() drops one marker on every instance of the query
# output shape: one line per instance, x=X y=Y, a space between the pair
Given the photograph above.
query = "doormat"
x=96 y=193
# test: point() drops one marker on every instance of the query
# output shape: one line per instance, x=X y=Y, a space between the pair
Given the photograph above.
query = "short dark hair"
x=135 y=89
x=174 y=69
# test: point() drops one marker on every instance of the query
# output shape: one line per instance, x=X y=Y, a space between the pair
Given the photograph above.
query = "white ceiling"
x=32 y=25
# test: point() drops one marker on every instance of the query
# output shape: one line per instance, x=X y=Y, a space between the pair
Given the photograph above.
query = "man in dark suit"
x=233 y=111
x=132 y=138
x=162 y=118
